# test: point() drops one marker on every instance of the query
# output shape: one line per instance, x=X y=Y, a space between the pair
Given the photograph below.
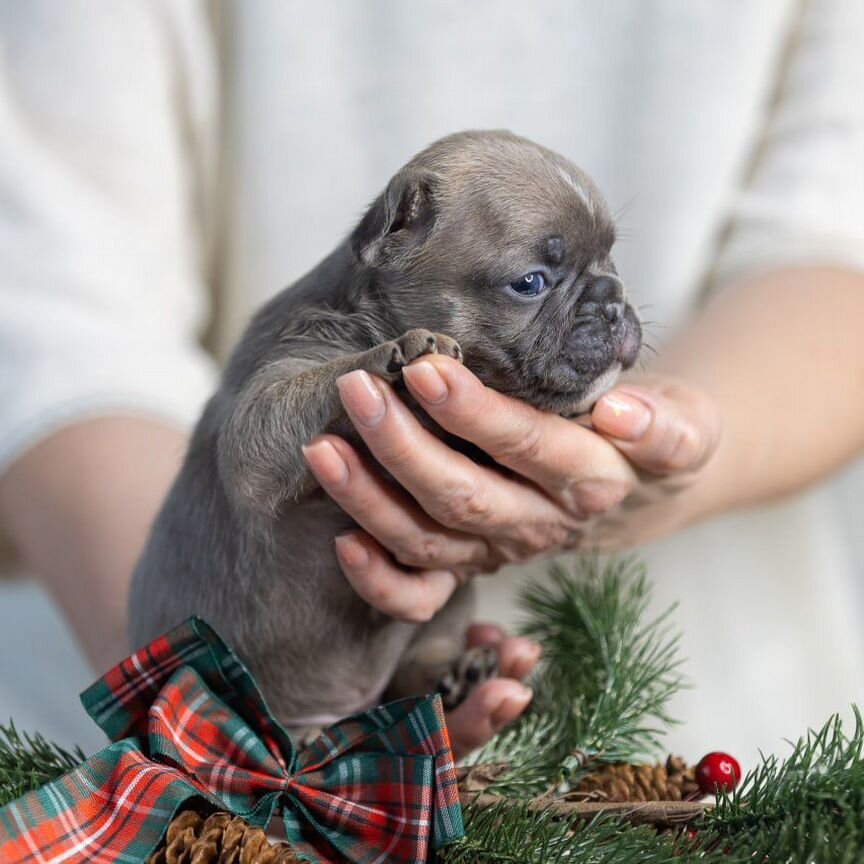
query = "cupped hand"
x=604 y=483
x=559 y=484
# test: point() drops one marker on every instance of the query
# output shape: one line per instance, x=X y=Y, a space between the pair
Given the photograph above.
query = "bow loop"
x=120 y=700
x=194 y=731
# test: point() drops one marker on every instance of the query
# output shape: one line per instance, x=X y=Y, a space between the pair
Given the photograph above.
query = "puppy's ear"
x=398 y=222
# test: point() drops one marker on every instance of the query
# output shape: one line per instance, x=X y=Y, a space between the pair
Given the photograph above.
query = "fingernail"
x=621 y=416
x=426 y=381
x=511 y=707
x=352 y=552
x=326 y=463
x=362 y=398
x=529 y=652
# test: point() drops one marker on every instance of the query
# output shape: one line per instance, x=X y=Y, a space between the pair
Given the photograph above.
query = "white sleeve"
x=101 y=265
x=804 y=202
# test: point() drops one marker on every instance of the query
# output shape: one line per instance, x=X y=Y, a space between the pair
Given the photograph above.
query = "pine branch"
x=807 y=807
x=29 y=761
x=508 y=833
x=604 y=682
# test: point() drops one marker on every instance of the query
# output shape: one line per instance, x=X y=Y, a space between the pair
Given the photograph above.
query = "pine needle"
x=29 y=761
x=604 y=682
x=510 y=833
x=807 y=807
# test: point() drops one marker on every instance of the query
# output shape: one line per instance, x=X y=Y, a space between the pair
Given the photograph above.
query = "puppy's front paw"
x=416 y=343
x=474 y=667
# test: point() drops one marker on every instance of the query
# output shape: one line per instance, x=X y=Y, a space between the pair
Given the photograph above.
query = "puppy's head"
x=506 y=247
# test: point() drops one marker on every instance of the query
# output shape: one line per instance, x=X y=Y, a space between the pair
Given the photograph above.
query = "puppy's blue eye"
x=531 y=284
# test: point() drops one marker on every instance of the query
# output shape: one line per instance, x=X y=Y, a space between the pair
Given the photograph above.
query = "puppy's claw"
x=396 y=362
x=474 y=667
x=408 y=347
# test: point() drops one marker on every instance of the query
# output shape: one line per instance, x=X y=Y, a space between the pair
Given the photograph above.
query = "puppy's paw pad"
x=474 y=667
x=417 y=343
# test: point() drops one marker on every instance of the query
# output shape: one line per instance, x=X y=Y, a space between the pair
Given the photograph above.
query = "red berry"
x=717 y=771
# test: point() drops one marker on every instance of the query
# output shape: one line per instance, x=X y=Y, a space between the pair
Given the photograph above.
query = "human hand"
x=493 y=704
x=560 y=486
x=563 y=485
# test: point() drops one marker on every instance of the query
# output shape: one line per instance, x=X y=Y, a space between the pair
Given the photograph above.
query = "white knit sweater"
x=157 y=155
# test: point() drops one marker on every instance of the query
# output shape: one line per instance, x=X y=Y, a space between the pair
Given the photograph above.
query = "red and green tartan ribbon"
x=188 y=722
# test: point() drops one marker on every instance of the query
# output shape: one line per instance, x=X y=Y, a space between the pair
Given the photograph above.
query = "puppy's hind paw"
x=474 y=667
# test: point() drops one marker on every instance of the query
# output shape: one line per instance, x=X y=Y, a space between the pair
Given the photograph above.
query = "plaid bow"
x=188 y=722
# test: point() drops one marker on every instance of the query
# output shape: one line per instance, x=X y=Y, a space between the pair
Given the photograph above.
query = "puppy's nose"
x=607 y=293
x=613 y=312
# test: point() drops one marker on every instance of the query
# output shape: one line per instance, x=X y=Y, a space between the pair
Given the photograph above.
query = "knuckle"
x=533 y=539
x=382 y=599
x=391 y=602
x=461 y=504
x=424 y=551
x=596 y=497
x=524 y=446
x=396 y=455
x=684 y=449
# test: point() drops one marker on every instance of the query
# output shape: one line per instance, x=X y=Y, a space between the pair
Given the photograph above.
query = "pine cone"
x=218 y=839
x=620 y=782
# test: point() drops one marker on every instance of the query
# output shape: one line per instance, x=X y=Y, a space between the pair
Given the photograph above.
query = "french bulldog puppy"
x=486 y=247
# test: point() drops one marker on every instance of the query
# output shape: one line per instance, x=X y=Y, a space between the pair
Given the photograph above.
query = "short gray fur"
x=245 y=536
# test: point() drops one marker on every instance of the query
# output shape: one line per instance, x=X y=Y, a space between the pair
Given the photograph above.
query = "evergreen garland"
x=807 y=807
x=601 y=693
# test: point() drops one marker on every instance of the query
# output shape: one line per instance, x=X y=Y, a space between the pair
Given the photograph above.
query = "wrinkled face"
x=512 y=257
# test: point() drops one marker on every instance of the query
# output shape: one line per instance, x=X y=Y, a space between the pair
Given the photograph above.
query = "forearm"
x=783 y=358
x=78 y=507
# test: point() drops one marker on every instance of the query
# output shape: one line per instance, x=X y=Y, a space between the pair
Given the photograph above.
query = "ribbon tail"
x=115 y=806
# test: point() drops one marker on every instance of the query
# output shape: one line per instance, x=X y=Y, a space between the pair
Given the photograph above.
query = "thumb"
x=664 y=426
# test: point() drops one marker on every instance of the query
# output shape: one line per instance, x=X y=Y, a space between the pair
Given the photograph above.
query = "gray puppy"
x=486 y=247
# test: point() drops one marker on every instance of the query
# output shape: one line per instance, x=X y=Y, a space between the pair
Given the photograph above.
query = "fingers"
x=487 y=710
x=483 y=634
x=447 y=485
x=414 y=597
x=495 y=703
x=517 y=657
x=387 y=513
x=663 y=426
x=577 y=467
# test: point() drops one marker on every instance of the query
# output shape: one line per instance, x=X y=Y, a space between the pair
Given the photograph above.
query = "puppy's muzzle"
x=603 y=303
